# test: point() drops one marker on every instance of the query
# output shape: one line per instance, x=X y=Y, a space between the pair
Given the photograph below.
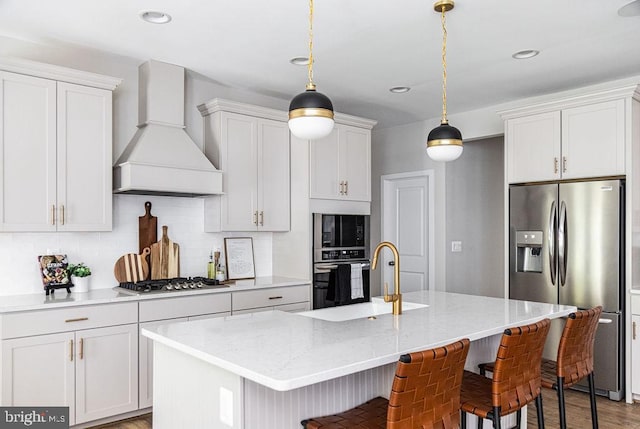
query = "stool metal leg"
x=463 y=420
x=592 y=396
x=518 y=418
x=561 y=405
x=496 y=417
x=540 y=411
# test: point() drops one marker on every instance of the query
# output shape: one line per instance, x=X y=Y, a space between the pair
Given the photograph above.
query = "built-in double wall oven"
x=340 y=240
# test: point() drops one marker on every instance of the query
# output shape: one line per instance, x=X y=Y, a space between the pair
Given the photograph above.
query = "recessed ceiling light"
x=399 y=89
x=155 y=17
x=527 y=53
x=299 y=61
x=631 y=9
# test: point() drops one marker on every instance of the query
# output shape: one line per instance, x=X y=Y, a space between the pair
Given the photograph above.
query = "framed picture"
x=239 y=258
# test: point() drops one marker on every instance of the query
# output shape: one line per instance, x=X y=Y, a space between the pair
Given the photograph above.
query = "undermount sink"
x=376 y=307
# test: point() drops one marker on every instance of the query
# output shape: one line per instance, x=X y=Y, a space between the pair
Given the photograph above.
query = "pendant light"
x=310 y=112
x=444 y=142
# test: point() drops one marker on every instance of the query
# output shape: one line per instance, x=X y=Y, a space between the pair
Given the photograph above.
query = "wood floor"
x=611 y=414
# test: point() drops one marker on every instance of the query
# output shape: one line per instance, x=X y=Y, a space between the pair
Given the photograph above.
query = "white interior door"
x=407 y=221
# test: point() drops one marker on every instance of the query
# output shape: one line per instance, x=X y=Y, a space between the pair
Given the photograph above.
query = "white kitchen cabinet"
x=340 y=164
x=285 y=298
x=55 y=152
x=170 y=310
x=91 y=369
x=568 y=143
x=253 y=153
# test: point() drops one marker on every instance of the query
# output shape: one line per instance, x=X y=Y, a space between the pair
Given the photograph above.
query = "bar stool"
x=516 y=379
x=425 y=394
x=574 y=360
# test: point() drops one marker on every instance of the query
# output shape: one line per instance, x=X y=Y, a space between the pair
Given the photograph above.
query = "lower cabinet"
x=286 y=298
x=170 y=310
x=91 y=371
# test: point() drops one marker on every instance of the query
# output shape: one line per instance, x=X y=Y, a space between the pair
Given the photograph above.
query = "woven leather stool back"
x=516 y=379
x=426 y=388
x=575 y=351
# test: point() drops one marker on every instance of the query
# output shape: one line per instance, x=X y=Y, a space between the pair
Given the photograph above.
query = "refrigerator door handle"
x=551 y=233
x=562 y=244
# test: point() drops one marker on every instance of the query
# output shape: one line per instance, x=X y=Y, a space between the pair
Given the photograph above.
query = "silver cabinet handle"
x=62 y=214
x=255 y=218
x=346 y=187
x=555 y=165
x=564 y=164
x=341 y=188
x=81 y=348
x=53 y=214
x=634 y=330
x=261 y=218
x=551 y=233
x=605 y=321
x=71 y=350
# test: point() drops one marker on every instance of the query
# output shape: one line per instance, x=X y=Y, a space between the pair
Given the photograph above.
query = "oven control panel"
x=342 y=254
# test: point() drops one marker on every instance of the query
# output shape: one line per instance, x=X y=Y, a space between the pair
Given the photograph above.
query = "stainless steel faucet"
x=396 y=298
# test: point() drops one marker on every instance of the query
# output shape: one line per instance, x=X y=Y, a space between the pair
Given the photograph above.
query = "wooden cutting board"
x=147 y=228
x=132 y=267
x=165 y=258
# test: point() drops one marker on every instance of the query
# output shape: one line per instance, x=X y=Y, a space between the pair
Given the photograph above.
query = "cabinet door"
x=324 y=166
x=635 y=354
x=274 y=194
x=593 y=140
x=146 y=363
x=39 y=371
x=533 y=148
x=355 y=163
x=239 y=165
x=84 y=158
x=27 y=153
x=106 y=372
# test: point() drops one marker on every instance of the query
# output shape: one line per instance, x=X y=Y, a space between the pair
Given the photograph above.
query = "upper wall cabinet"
x=250 y=145
x=55 y=153
x=567 y=142
x=340 y=164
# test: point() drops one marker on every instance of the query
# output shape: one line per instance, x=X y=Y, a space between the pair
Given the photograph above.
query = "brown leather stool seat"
x=425 y=394
x=574 y=360
x=516 y=379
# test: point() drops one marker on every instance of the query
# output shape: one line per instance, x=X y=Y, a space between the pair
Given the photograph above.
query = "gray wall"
x=475 y=216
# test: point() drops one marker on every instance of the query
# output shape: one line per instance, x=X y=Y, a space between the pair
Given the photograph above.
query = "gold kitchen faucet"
x=396 y=298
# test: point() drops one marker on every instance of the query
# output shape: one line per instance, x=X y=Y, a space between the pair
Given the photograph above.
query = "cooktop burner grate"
x=169 y=285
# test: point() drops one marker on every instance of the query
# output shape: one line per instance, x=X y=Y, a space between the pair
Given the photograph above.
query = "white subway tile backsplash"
x=19 y=272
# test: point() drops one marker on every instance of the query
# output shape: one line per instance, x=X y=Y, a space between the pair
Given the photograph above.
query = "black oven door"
x=343 y=231
x=324 y=276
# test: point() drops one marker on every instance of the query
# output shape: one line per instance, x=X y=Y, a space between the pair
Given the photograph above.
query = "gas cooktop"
x=177 y=284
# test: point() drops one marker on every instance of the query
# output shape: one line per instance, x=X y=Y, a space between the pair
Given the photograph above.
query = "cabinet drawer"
x=184 y=306
x=29 y=323
x=270 y=297
x=635 y=304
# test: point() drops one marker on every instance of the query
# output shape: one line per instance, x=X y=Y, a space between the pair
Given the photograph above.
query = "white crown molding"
x=64 y=74
x=615 y=93
x=219 y=104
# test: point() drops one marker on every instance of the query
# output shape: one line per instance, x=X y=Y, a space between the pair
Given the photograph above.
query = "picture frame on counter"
x=239 y=259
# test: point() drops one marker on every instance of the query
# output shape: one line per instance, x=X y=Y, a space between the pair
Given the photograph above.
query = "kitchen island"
x=273 y=369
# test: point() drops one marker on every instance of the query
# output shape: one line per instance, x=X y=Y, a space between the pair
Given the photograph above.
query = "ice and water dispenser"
x=529 y=251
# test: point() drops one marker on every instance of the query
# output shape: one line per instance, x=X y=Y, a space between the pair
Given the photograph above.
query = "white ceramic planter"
x=81 y=284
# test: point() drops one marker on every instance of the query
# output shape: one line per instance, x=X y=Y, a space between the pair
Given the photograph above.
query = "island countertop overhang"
x=285 y=351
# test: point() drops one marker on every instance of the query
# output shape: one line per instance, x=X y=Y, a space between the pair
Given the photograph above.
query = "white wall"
x=184 y=216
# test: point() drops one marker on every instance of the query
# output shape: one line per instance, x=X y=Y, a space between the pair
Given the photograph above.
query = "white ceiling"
x=362 y=47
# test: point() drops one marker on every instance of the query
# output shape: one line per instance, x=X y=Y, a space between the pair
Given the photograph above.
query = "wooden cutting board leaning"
x=147 y=228
x=165 y=258
x=132 y=267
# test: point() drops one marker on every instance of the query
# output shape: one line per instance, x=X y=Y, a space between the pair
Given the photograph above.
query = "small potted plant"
x=79 y=276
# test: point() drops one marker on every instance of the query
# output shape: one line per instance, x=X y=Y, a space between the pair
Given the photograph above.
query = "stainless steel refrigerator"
x=567 y=247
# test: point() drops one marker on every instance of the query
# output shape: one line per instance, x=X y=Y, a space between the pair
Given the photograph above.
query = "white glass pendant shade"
x=311 y=127
x=444 y=153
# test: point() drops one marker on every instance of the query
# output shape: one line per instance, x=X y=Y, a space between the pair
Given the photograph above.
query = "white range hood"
x=161 y=158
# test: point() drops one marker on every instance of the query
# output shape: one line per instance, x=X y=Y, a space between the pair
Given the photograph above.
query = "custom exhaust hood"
x=161 y=158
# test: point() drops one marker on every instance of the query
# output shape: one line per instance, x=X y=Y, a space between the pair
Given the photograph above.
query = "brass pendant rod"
x=310 y=85
x=444 y=66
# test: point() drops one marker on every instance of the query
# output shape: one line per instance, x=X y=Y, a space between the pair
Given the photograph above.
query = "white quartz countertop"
x=59 y=299
x=285 y=351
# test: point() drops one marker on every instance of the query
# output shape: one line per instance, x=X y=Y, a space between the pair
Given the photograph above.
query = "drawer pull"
x=53 y=214
x=555 y=165
x=71 y=350
x=81 y=348
x=634 y=330
x=79 y=319
x=275 y=297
